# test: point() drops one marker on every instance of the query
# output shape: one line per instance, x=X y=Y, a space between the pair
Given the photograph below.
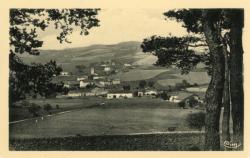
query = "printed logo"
x=232 y=145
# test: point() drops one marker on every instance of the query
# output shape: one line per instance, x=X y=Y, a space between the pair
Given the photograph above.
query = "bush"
x=34 y=109
x=196 y=120
x=57 y=106
x=48 y=108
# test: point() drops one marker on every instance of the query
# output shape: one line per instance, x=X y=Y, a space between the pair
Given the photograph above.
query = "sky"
x=118 y=25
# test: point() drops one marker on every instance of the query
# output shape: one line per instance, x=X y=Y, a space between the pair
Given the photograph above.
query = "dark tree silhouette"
x=24 y=24
x=213 y=31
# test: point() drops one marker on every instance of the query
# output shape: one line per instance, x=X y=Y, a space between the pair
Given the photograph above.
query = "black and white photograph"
x=126 y=79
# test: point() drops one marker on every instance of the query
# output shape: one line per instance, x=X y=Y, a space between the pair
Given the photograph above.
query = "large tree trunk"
x=236 y=76
x=226 y=102
x=215 y=90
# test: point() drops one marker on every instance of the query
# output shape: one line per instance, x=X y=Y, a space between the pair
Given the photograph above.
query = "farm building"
x=80 y=78
x=190 y=101
x=97 y=77
x=99 y=91
x=105 y=83
x=185 y=99
x=68 y=81
x=83 y=84
x=92 y=71
x=150 y=92
x=107 y=69
x=140 y=94
x=177 y=97
x=127 y=65
x=74 y=94
x=116 y=95
x=116 y=81
x=64 y=73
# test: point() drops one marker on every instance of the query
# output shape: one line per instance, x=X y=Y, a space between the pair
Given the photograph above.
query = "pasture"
x=66 y=104
x=118 y=116
x=137 y=74
x=102 y=121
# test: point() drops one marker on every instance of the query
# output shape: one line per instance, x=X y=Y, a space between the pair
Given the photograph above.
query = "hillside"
x=125 y=52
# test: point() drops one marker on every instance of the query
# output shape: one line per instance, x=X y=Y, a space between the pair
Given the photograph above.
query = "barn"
x=121 y=94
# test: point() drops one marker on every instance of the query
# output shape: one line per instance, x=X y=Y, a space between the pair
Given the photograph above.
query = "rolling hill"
x=125 y=52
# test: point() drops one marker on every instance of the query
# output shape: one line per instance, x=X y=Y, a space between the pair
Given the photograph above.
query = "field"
x=138 y=115
x=143 y=142
x=98 y=121
x=135 y=75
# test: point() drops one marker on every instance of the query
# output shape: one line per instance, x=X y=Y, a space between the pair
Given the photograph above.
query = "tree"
x=151 y=84
x=126 y=87
x=80 y=68
x=48 y=108
x=142 y=84
x=24 y=24
x=208 y=26
x=165 y=95
x=34 y=109
x=185 y=83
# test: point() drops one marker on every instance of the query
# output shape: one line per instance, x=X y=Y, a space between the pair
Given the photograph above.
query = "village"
x=103 y=84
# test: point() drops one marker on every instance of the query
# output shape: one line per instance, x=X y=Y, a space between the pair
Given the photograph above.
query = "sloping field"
x=192 y=78
x=102 y=121
x=135 y=75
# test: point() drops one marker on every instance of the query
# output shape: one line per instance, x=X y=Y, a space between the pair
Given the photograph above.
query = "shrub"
x=196 y=120
x=48 y=108
x=34 y=109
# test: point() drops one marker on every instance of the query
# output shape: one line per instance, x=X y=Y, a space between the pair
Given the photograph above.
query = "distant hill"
x=123 y=52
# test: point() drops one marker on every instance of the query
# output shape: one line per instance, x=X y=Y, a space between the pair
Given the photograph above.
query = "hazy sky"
x=118 y=25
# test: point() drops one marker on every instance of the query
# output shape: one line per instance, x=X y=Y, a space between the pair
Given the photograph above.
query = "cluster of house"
x=78 y=88
x=73 y=81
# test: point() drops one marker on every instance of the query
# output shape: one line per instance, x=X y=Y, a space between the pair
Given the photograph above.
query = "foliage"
x=151 y=83
x=34 y=109
x=164 y=95
x=126 y=87
x=177 y=51
x=142 y=84
x=48 y=108
x=196 y=120
x=24 y=24
x=80 y=68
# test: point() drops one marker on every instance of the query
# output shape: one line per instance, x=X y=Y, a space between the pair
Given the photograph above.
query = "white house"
x=66 y=85
x=127 y=65
x=92 y=71
x=81 y=78
x=83 y=83
x=140 y=94
x=151 y=92
x=97 y=77
x=107 y=68
x=116 y=81
x=105 y=83
x=174 y=99
x=74 y=94
x=119 y=95
x=64 y=73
